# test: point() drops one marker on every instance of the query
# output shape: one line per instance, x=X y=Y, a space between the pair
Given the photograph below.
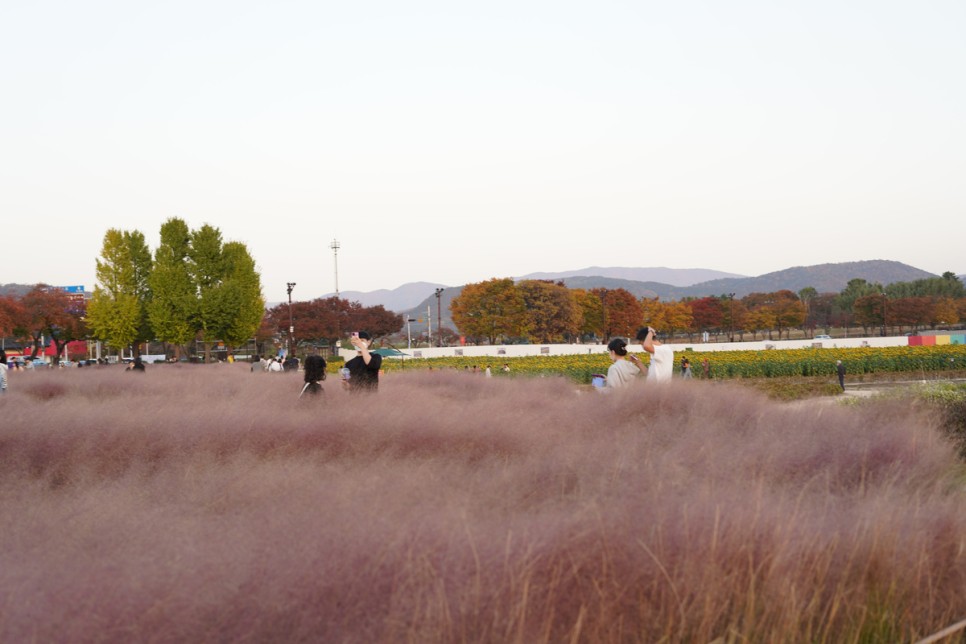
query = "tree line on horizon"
x=547 y=311
x=196 y=286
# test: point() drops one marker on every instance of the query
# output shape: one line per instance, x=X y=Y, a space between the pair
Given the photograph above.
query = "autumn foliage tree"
x=11 y=315
x=654 y=314
x=945 y=312
x=490 y=310
x=677 y=317
x=707 y=314
x=622 y=312
x=327 y=320
x=909 y=312
x=552 y=311
x=790 y=311
x=51 y=312
x=590 y=311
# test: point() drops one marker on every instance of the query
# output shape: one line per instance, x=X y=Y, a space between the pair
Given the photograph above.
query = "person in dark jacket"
x=314 y=375
x=362 y=371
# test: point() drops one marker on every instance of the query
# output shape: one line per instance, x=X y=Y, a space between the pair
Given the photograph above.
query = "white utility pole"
x=335 y=251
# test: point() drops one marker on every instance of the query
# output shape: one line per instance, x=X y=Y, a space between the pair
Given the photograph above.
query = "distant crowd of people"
x=361 y=373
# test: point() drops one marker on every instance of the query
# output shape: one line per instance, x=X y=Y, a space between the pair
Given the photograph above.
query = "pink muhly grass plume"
x=200 y=502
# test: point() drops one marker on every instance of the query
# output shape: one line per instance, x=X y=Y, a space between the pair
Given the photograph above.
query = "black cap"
x=365 y=335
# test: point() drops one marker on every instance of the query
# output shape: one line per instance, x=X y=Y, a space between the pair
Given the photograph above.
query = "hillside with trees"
x=503 y=311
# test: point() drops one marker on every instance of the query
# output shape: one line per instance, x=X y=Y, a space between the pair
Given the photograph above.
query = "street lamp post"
x=731 y=316
x=603 y=314
x=883 y=314
x=439 y=319
x=291 y=325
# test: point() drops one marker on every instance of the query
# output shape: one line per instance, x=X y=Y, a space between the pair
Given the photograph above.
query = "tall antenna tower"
x=335 y=252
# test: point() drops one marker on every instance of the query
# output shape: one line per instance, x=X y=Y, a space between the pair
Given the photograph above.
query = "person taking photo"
x=662 y=357
x=362 y=372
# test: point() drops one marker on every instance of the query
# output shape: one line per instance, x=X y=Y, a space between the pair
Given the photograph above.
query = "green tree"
x=172 y=310
x=949 y=285
x=228 y=288
x=241 y=291
x=870 y=311
x=117 y=312
x=855 y=289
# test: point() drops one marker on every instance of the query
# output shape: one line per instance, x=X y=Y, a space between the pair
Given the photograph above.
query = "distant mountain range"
x=415 y=298
x=397 y=299
x=676 y=283
x=824 y=278
x=669 y=276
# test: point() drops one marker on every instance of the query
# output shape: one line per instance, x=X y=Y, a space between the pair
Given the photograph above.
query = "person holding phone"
x=621 y=372
x=363 y=370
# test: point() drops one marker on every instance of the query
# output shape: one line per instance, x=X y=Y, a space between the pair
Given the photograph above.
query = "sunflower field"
x=723 y=364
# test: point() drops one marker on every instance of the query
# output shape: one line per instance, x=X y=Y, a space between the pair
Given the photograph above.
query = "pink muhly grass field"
x=207 y=503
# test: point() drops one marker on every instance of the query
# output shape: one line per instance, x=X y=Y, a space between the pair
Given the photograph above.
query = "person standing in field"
x=363 y=370
x=662 y=357
x=840 y=369
x=3 y=372
x=621 y=372
x=314 y=375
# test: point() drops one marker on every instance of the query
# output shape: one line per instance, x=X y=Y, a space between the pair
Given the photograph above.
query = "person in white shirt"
x=3 y=372
x=621 y=372
x=662 y=357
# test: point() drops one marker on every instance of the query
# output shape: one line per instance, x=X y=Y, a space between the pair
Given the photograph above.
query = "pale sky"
x=452 y=142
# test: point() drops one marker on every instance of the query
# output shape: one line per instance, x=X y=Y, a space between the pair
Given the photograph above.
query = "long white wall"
x=519 y=350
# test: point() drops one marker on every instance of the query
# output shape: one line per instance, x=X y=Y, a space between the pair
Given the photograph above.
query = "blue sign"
x=73 y=289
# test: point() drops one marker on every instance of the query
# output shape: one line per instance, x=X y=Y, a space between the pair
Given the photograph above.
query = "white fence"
x=519 y=350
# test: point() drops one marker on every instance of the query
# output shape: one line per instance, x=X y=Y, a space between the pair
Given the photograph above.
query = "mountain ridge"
x=414 y=297
x=660 y=274
x=824 y=278
x=398 y=299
